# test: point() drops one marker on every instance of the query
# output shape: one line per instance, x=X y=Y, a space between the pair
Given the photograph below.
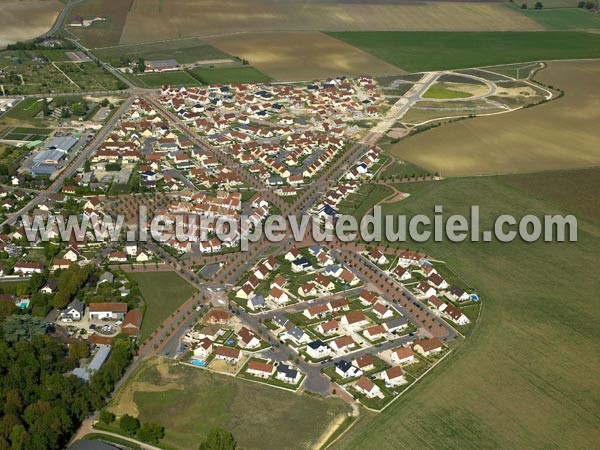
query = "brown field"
x=20 y=21
x=292 y=56
x=558 y=135
x=151 y=20
x=106 y=33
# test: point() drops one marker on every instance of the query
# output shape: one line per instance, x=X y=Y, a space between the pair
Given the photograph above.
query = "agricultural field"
x=157 y=20
x=292 y=56
x=101 y=33
x=416 y=52
x=560 y=188
x=557 y=135
x=229 y=75
x=185 y=51
x=21 y=21
x=526 y=377
x=163 y=293
x=188 y=402
x=563 y=19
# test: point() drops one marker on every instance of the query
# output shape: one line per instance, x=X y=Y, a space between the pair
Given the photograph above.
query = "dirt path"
x=332 y=428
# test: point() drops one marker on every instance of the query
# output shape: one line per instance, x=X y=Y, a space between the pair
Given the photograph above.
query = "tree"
x=218 y=439
x=78 y=350
x=524 y=6
x=151 y=433
x=106 y=417
x=141 y=65
x=129 y=424
x=23 y=328
x=581 y=5
x=538 y=5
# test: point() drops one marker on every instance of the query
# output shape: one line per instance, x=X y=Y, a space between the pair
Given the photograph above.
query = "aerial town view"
x=260 y=224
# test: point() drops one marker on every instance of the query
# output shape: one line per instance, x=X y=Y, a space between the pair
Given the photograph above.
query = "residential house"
x=382 y=311
x=328 y=327
x=204 y=349
x=343 y=343
x=318 y=349
x=394 y=376
x=113 y=311
x=260 y=369
x=375 y=332
x=403 y=355
x=288 y=374
x=256 y=303
x=132 y=322
x=73 y=312
x=428 y=347
x=229 y=354
x=27 y=268
x=365 y=362
x=367 y=387
x=355 y=319
x=346 y=370
x=317 y=311
x=247 y=339
x=425 y=289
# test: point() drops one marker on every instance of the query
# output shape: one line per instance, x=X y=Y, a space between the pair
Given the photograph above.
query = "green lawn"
x=259 y=416
x=230 y=75
x=439 y=90
x=563 y=19
x=526 y=377
x=418 y=51
x=163 y=293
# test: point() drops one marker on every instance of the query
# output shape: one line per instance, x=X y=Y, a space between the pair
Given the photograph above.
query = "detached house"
x=394 y=376
x=74 y=311
x=428 y=347
x=403 y=355
x=229 y=354
x=318 y=349
x=260 y=369
x=113 y=311
x=367 y=387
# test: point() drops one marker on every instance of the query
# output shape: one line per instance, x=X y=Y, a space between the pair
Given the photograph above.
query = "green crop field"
x=227 y=76
x=26 y=109
x=163 y=293
x=563 y=19
x=156 y=80
x=185 y=51
x=527 y=375
x=417 y=51
x=188 y=402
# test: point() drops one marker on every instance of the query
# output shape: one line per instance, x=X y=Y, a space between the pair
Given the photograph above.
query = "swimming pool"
x=230 y=341
x=474 y=298
x=195 y=362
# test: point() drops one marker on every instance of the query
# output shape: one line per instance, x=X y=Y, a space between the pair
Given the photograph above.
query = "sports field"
x=527 y=375
x=152 y=20
x=418 y=51
x=24 y=20
x=189 y=401
x=292 y=56
x=557 y=135
x=163 y=293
